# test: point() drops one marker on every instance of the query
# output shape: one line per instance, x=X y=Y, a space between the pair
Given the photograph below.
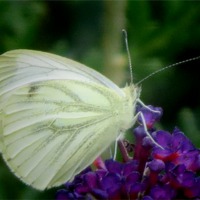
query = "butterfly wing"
x=20 y=67
x=52 y=129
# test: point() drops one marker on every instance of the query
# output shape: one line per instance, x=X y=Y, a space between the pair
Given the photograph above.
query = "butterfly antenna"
x=167 y=67
x=128 y=53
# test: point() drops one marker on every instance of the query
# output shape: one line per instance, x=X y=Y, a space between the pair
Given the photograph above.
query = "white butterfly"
x=57 y=116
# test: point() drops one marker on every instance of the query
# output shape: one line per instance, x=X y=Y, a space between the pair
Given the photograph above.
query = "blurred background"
x=159 y=32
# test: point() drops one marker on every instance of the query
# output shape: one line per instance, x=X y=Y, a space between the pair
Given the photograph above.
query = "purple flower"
x=150 y=117
x=114 y=182
x=165 y=192
x=178 y=149
x=150 y=173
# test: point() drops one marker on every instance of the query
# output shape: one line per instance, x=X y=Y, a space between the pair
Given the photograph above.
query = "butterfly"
x=58 y=115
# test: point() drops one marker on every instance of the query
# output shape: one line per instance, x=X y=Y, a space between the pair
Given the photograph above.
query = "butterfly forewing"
x=20 y=67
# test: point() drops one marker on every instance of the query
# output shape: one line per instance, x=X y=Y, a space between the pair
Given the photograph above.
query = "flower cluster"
x=151 y=173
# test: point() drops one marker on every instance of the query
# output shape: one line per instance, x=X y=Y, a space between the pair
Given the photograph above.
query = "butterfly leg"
x=140 y=114
x=143 y=105
x=115 y=147
x=143 y=121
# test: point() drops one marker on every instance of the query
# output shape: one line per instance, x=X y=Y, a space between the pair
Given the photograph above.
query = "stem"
x=113 y=23
x=123 y=151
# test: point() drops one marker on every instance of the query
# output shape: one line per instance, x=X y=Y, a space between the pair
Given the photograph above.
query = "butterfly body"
x=57 y=116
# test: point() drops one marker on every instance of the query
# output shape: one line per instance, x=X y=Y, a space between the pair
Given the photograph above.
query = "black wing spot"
x=32 y=90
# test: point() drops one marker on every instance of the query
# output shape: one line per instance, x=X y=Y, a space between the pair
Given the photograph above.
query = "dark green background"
x=160 y=33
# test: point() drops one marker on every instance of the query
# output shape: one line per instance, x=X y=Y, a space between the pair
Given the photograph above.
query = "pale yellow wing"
x=52 y=129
